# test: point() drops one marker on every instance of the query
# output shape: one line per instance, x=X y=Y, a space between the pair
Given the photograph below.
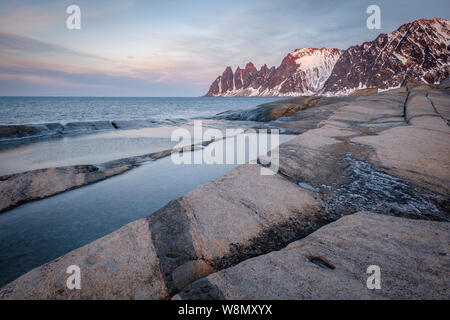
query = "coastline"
x=223 y=224
x=20 y=134
x=19 y=188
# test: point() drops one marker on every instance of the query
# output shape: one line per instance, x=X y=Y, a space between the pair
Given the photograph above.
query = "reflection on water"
x=88 y=149
x=40 y=231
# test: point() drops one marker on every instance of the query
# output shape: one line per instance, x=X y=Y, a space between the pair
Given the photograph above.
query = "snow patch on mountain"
x=315 y=66
x=302 y=72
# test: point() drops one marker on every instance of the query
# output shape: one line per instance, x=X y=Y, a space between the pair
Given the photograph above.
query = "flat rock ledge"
x=19 y=188
x=331 y=263
x=16 y=189
x=385 y=153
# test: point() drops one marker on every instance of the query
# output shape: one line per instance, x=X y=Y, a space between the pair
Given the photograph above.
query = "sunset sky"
x=173 y=48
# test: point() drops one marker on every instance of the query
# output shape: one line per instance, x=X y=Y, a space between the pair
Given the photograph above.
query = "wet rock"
x=307 y=187
x=271 y=111
x=115 y=125
x=445 y=84
x=8 y=131
x=278 y=109
x=370 y=189
x=417 y=152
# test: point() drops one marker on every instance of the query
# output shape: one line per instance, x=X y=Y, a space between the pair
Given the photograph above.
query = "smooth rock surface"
x=418 y=151
x=218 y=224
x=189 y=272
x=365 y=156
x=231 y=219
x=331 y=263
x=19 y=188
x=121 y=265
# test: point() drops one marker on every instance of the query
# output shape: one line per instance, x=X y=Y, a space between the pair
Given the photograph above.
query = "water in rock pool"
x=40 y=231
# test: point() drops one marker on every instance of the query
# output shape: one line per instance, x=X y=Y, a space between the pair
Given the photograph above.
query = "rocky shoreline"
x=304 y=233
x=20 y=188
x=15 y=135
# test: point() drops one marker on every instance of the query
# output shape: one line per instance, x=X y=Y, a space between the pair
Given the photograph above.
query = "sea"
x=63 y=110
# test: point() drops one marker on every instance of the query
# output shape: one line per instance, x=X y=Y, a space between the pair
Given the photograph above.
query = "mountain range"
x=417 y=50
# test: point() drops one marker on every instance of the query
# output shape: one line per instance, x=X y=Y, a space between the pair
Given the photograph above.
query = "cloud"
x=25 y=61
x=133 y=45
x=30 y=46
x=19 y=17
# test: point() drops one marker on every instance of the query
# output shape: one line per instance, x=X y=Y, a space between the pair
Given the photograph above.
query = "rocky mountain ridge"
x=417 y=50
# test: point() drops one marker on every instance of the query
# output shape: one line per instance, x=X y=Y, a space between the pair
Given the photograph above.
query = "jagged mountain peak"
x=250 y=66
x=303 y=71
x=311 y=50
x=416 y=50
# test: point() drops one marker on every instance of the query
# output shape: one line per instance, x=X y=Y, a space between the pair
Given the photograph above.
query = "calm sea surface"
x=34 y=110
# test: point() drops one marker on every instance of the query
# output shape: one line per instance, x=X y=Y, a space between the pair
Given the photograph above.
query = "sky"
x=177 y=47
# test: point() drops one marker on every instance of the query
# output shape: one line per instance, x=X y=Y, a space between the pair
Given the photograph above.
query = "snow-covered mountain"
x=417 y=50
x=302 y=72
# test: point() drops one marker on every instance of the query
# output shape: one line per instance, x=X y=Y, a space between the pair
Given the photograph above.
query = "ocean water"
x=42 y=110
x=79 y=130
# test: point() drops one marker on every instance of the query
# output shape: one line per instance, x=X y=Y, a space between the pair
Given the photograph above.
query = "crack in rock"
x=376 y=191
